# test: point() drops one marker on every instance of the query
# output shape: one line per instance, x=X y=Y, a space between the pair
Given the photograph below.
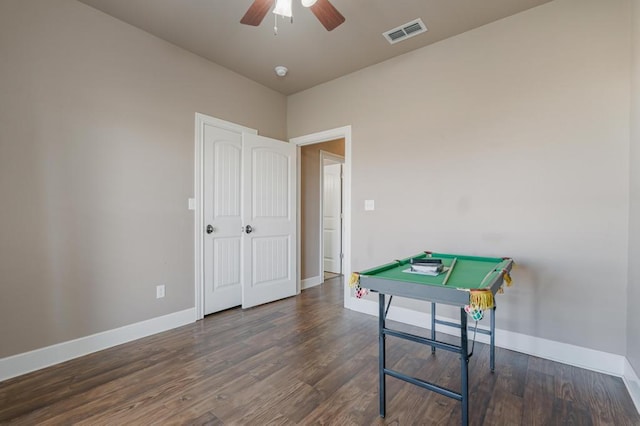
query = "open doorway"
x=312 y=235
x=311 y=259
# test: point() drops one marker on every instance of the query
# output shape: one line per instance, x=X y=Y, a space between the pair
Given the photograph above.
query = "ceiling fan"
x=326 y=13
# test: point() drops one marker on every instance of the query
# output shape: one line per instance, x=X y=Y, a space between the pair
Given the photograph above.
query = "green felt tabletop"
x=469 y=272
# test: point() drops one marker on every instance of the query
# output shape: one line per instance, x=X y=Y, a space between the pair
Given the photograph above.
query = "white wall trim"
x=198 y=188
x=564 y=353
x=324 y=136
x=19 y=364
x=632 y=382
x=311 y=282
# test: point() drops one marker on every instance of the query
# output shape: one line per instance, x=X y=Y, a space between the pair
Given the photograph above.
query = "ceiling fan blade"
x=256 y=13
x=327 y=14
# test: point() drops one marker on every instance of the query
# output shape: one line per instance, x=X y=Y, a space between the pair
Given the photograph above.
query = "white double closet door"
x=249 y=202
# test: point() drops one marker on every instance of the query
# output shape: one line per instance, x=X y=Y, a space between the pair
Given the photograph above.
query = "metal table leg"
x=492 y=347
x=381 y=355
x=464 y=367
x=433 y=326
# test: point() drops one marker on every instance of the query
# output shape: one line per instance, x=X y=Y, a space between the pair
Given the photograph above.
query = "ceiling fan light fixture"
x=283 y=8
x=325 y=12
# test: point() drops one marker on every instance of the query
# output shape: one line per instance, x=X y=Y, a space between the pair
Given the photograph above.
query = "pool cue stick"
x=455 y=259
x=486 y=276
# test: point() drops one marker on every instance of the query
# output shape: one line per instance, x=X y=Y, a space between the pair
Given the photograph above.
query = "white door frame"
x=201 y=121
x=337 y=159
x=324 y=136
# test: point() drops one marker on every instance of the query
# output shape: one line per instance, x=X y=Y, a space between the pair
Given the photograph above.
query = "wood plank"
x=538 y=399
x=504 y=408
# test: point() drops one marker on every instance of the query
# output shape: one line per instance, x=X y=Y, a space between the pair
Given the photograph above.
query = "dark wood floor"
x=304 y=360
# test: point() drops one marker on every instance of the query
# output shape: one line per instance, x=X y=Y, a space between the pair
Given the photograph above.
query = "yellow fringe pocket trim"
x=481 y=299
x=354 y=279
x=507 y=279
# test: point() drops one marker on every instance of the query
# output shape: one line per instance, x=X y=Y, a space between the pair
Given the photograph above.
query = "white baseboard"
x=311 y=282
x=565 y=353
x=633 y=384
x=19 y=364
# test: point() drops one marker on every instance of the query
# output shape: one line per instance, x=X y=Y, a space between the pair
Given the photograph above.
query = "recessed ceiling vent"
x=405 y=31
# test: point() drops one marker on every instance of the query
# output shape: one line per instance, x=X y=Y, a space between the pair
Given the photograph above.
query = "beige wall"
x=96 y=166
x=520 y=129
x=633 y=319
x=310 y=204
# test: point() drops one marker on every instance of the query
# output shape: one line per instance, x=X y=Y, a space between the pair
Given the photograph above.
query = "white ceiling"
x=212 y=29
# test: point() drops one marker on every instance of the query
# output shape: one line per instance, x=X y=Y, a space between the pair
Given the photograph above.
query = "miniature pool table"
x=464 y=281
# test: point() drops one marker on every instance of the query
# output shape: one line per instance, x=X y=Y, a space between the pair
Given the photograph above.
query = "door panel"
x=222 y=210
x=332 y=223
x=271 y=259
x=269 y=208
x=226 y=253
x=270 y=184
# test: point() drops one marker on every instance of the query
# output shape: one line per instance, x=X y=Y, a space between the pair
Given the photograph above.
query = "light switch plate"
x=192 y=203
x=369 y=205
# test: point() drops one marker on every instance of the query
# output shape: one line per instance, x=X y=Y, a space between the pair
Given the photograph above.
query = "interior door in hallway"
x=332 y=218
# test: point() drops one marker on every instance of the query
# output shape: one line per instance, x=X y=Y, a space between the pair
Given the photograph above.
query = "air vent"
x=405 y=31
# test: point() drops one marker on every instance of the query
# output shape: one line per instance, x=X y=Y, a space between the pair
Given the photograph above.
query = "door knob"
x=248 y=229
x=210 y=229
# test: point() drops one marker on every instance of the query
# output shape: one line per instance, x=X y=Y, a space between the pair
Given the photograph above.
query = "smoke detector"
x=281 y=71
